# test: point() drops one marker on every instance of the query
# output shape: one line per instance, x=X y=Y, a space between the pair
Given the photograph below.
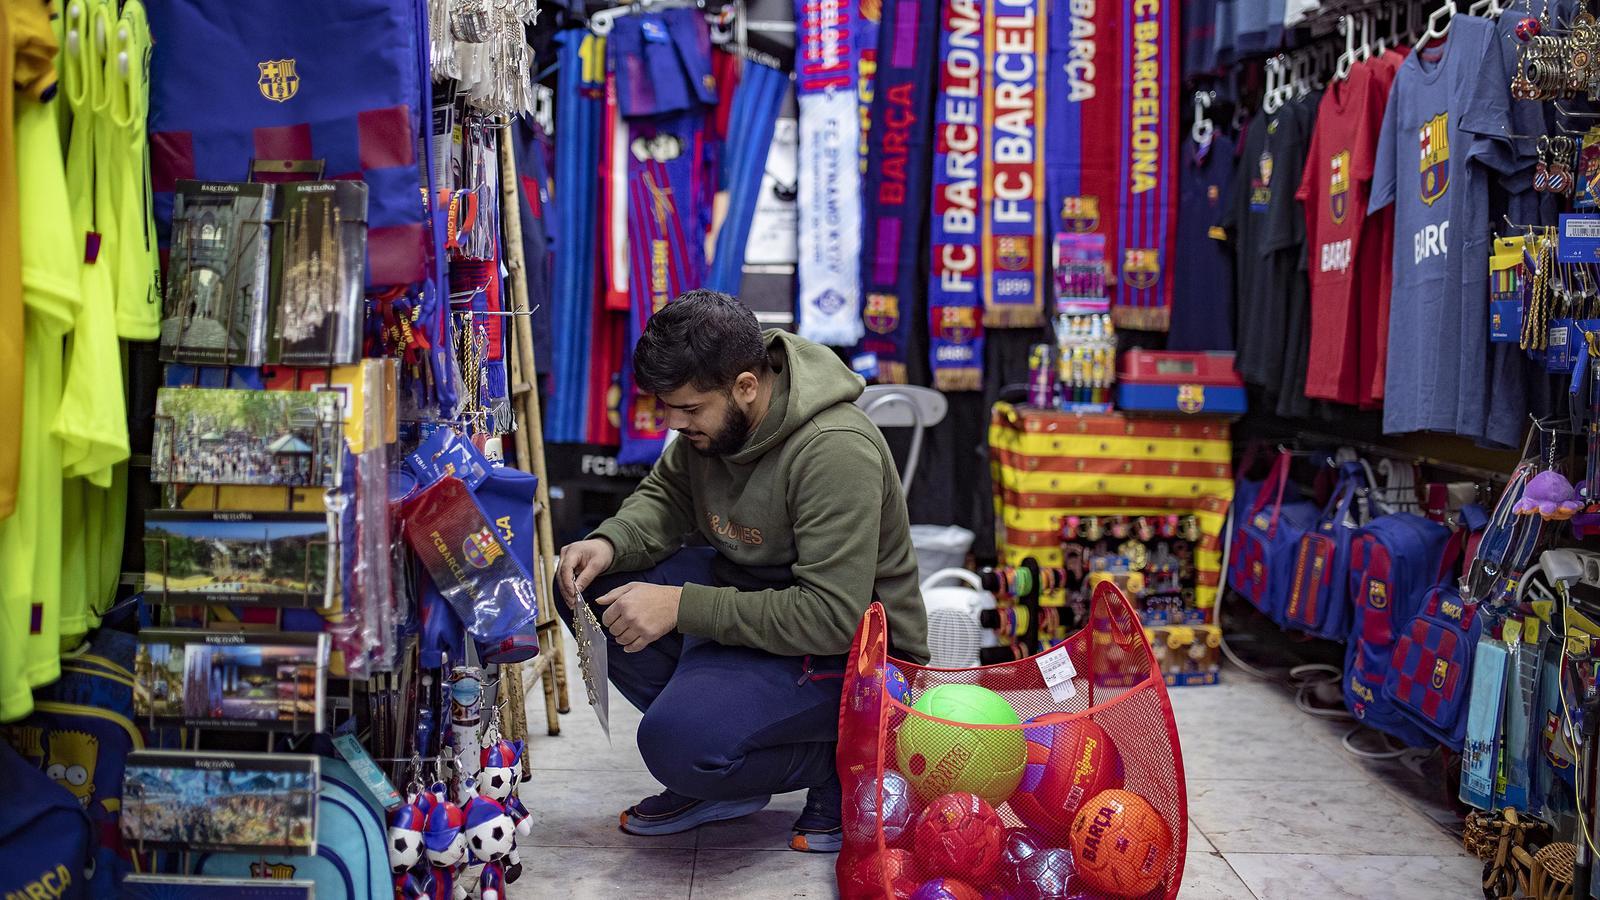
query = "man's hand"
x=638 y=613
x=581 y=564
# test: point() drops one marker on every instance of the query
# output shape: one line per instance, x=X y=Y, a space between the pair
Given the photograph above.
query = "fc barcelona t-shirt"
x=1421 y=153
x=1334 y=188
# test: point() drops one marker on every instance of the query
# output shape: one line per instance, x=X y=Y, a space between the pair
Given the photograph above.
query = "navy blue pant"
x=720 y=722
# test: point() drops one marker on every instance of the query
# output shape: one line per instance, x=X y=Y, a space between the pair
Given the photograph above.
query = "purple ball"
x=1018 y=845
x=1045 y=875
x=864 y=818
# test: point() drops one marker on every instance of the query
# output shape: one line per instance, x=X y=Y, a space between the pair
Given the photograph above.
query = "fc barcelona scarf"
x=895 y=197
x=1114 y=72
x=955 y=315
x=1013 y=263
x=665 y=189
x=829 y=203
x=666 y=257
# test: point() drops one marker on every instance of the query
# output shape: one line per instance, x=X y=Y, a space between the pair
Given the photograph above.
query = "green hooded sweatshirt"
x=813 y=495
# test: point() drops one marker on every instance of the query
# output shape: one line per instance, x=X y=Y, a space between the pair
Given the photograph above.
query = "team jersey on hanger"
x=1430 y=133
x=1202 y=301
x=1334 y=189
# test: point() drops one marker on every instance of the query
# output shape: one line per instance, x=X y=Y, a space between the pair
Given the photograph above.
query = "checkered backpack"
x=1394 y=561
x=1431 y=672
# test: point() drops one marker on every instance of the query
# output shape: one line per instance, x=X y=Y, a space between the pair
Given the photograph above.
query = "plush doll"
x=1550 y=495
x=405 y=853
x=498 y=780
x=491 y=838
x=446 y=840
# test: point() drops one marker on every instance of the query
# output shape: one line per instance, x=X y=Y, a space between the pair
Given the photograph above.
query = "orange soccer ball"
x=1121 y=844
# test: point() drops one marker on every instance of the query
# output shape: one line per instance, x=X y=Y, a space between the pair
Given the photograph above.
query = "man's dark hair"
x=703 y=338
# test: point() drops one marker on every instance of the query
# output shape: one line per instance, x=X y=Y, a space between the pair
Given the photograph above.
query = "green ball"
x=938 y=757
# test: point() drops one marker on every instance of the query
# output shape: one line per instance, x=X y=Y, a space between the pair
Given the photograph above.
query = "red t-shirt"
x=1376 y=240
x=1334 y=189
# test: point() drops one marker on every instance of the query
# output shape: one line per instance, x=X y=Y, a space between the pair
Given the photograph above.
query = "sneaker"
x=820 y=828
x=670 y=813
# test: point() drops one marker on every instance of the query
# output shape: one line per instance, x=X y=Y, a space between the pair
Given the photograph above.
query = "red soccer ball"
x=1070 y=759
x=898 y=866
x=1121 y=844
x=961 y=835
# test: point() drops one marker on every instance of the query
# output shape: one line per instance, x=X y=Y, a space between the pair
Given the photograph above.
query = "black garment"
x=1244 y=225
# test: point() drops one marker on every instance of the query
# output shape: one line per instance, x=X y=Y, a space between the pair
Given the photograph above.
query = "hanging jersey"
x=1334 y=188
x=1202 y=301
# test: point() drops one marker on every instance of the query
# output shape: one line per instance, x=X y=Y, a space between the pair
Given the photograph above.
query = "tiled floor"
x=1278 y=811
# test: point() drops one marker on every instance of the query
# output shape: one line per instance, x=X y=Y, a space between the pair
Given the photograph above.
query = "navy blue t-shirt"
x=1202 y=297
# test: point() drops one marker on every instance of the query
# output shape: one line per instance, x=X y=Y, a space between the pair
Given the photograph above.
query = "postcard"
x=234 y=802
x=320 y=253
x=272 y=681
x=216 y=300
x=225 y=436
x=240 y=558
x=197 y=887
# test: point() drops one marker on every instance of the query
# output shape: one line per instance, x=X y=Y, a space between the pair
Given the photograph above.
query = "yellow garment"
x=123 y=154
x=92 y=421
x=30 y=552
x=27 y=46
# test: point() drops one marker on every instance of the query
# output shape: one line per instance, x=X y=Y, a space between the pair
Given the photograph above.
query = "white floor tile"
x=1301 y=876
x=739 y=874
x=1310 y=814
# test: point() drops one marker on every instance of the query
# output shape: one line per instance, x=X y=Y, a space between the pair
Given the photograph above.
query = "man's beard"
x=729 y=438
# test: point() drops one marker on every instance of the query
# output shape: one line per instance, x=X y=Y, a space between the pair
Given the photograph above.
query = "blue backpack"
x=80 y=734
x=46 y=838
x=1319 y=590
x=1431 y=678
x=1394 y=561
x=1266 y=534
x=352 y=859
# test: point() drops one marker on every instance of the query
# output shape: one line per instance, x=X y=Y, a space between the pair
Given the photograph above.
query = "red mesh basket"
x=1024 y=781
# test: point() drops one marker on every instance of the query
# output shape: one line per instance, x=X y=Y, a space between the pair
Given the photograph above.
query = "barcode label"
x=1582 y=228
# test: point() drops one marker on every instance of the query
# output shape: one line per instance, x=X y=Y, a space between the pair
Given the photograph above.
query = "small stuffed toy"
x=499 y=777
x=446 y=840
x=491 y=838
x=1549 y=495
x=405 y=853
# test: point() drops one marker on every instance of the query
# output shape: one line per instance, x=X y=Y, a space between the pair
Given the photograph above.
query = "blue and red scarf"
x=1114 y=72
x=893 y=273
x=1014 y=258
x=955 y=310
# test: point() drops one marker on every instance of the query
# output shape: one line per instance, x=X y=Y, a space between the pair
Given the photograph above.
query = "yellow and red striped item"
x=1048 y=465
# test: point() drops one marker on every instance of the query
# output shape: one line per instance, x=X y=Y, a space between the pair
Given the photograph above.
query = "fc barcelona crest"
x=1141 y=268
x=882 y=313
x=1014 y=254
x=1191 y=398
x=278 y=81
x=1441 y=670
x=648 y=417
x=1339 y=186
x=1434 y=142
x=957 y=324
x=1080 y=214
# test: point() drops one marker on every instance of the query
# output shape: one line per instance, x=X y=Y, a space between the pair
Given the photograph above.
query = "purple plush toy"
x=1550 y=495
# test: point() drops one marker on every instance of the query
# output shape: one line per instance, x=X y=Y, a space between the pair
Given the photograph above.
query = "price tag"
x=1579 y=240
x=1058 y=671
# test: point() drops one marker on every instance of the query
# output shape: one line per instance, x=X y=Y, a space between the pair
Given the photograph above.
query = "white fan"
x=955 y=634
